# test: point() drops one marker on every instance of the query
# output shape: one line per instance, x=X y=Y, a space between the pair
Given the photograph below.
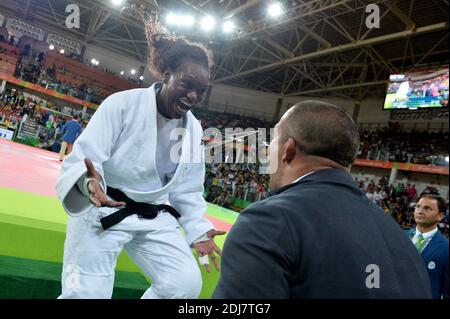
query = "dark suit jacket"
x=319 y=238
x=435 y=256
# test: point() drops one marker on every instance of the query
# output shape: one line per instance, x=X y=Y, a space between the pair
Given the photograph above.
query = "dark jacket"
x=319 y=238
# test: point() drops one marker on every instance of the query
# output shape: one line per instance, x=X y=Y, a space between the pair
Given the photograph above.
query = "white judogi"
x=121 y=140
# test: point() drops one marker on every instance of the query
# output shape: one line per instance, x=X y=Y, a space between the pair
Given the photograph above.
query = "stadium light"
x=208 y=23
x=62 y=51
x=141 y=78
x=228 y=26
x=51 y=47
x=180 y=20
x=171 y=18
x=275 y=9
x=122 y=73
x=94 y=61
x=133 y=71
x=117 y=2
x=187 y=21
x=446 y=159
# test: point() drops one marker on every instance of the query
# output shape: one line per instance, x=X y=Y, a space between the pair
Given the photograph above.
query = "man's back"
x=320 y=238
x=72 y=130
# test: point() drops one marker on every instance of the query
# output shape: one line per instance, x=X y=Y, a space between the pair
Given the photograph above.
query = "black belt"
x=144 y=210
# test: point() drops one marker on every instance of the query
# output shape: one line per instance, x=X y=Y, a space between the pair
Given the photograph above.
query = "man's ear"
x=166 y=77
x=289 y=150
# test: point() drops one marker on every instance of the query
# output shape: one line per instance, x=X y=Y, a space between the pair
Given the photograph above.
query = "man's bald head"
x=321 y=129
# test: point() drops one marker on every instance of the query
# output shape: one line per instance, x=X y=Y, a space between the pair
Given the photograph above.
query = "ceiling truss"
x=318 y=47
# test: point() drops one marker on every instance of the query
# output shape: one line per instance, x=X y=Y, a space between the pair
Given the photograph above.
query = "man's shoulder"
x=409 y=232
x=264 y=205
x=437 y=250
x=442 y=241
x=301 y=193
x=272 y=207
x=73 y=124
x=262 y=217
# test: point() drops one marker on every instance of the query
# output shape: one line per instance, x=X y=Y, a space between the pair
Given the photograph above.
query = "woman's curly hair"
x=166 y=51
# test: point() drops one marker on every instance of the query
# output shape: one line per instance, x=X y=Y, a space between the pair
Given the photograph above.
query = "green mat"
x=226 y=215
x=32 y=233
x=27 y=278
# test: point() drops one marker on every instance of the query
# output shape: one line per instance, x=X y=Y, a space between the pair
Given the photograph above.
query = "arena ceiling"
x=316 y=48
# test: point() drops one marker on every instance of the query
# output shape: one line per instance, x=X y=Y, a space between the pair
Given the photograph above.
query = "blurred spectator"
x=71 y=131
x=411 y=191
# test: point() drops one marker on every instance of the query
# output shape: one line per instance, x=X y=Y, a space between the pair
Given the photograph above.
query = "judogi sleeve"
x=258 y=256
x=95 y=143
x=187 y=196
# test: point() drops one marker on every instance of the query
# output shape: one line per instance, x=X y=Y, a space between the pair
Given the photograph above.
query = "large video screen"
x=419 y=88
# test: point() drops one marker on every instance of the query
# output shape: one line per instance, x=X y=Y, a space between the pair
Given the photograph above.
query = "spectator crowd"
x=226 y=183
x=393 y=144
x=30 y=68
x=16 y=109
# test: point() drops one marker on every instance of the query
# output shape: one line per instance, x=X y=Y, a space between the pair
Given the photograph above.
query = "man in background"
x=431 y=244
x=71 y=131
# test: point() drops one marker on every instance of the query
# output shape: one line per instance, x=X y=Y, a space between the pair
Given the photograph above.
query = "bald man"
x=317 y=235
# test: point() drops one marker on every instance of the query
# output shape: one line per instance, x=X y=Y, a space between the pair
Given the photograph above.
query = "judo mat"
x=33 y=225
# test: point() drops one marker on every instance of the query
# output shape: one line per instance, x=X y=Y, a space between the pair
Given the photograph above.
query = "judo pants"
x=90 y=256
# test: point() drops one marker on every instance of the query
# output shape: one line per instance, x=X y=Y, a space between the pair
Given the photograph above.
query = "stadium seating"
x=8 y=58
